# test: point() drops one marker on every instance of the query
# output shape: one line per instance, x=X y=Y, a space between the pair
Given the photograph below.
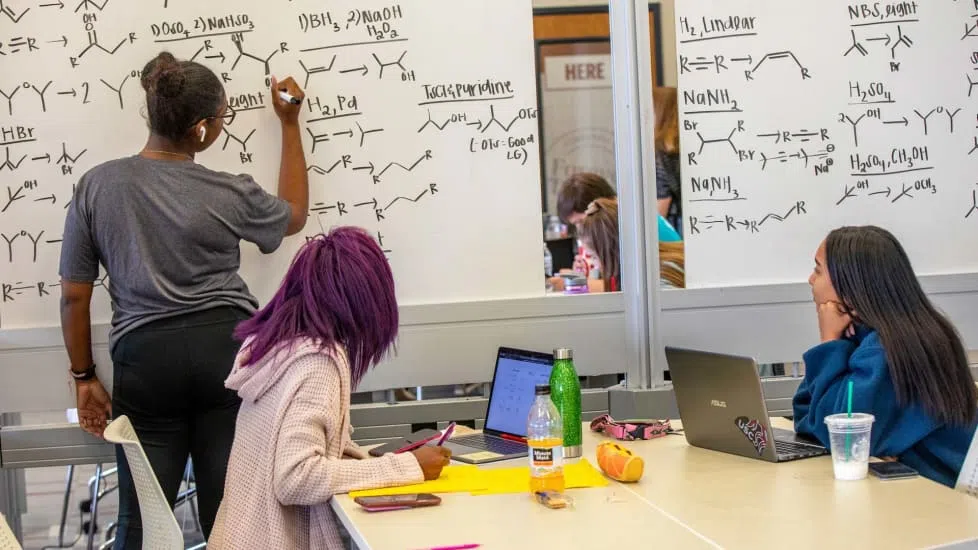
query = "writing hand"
x=287 y=112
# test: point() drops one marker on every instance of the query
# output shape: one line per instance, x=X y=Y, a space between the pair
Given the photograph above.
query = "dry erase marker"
x=289 y=99
x=447 y=434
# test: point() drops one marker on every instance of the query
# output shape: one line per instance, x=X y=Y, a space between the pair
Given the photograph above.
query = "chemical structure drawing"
x=12 y=165
x=410 y=168
x=939 y=110
x=971 y=84
x=432 y=189
x=66 y=158
x=975 y=148
x=523 y=114
x=855 y=125
x=316 y=70
x=18 y=44
x=318 y=138
x=243 y=142
x=365 y=133
x=888 y=42
x=731 y=224
x=970 y=31
x=805 y=75
x=93 y=43
x=784 y=157
x=27 y=86
x=238 y=40
x=728 y=140
x=14 y=16
x=454 y=118
x=14 y=196
x=399 y=63
x=118 y=91
x=803 y=136
x=717 y=63
x=10 y=291
x=89 y=4
x=974 y=204
x=11 y=239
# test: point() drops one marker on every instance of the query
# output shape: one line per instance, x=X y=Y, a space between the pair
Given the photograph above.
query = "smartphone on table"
x=397 y=502
x=891 y=470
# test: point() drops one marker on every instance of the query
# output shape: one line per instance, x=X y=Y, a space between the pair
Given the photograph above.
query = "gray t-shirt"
x=168 y=235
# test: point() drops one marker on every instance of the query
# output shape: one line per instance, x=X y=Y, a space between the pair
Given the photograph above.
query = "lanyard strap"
x=630 y=431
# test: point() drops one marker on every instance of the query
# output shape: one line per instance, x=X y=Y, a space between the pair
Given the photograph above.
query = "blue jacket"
x=935 y=450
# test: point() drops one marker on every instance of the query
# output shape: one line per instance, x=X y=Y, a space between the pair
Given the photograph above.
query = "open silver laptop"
x=722 y=408
x=516 y=376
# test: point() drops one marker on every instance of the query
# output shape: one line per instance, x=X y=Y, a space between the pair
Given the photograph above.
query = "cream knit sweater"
x=292 y=452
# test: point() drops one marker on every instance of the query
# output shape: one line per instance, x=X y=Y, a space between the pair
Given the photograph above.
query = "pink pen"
x=448 y=433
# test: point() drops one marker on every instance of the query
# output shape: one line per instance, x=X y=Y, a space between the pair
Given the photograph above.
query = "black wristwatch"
x=84 y=375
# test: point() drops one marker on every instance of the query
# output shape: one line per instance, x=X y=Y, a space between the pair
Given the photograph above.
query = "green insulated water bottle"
x=565 y=390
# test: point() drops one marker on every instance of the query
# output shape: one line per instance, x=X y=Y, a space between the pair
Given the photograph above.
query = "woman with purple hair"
x=334 y=317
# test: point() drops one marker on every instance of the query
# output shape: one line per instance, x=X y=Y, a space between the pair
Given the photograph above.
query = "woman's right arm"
x=305 y=475
x=293 y=179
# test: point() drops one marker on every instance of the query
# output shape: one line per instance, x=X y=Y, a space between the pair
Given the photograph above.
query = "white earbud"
x=203 y=134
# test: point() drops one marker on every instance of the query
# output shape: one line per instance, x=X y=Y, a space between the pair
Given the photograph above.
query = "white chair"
x=160 y=528
x=968 y=478
x=7 y=540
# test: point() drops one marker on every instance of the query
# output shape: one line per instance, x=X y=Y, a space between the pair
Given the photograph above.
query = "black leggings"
x=169 y=380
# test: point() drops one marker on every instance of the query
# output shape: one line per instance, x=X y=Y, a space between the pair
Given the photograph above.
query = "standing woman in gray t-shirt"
x=167 y=231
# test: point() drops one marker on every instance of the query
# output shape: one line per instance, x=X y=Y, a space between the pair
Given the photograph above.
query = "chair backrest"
x=7 y=540
x=968 y=478
x=160 y=528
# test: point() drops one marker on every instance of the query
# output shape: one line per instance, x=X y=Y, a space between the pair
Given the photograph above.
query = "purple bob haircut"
x=338 y=291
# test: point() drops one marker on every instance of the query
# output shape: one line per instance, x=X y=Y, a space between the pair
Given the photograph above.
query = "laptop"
x=722 y=408
x=515 y=378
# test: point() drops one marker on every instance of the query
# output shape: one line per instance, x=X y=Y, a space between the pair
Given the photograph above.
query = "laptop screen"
x=517 y=374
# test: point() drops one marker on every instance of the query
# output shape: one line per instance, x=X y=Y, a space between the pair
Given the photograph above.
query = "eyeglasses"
x=228 y=117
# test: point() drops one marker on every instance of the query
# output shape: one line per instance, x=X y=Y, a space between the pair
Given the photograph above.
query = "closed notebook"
x=478 y=481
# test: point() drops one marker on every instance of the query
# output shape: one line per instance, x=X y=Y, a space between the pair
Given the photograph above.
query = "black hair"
x=872 y=275
x=179 y=94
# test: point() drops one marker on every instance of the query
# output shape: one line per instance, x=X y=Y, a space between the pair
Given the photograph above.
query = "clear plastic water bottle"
x=548 y=261
x=544 y=436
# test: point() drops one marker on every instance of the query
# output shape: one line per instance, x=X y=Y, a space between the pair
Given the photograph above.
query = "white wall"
x=668 y=30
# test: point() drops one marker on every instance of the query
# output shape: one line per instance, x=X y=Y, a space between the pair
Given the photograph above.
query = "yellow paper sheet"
x=454 y=479
x=577 y=475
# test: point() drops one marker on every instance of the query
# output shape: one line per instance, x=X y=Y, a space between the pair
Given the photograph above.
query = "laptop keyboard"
x=787 y=450
x=496 y=445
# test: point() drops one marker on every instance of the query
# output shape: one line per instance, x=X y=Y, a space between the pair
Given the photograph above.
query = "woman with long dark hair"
x=905 y=360
x=334 y=317
x=167 y=231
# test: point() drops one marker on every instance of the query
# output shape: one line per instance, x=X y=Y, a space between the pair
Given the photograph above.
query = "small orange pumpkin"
x=619 y=463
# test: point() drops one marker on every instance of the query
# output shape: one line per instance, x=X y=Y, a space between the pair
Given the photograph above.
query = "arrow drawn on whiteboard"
x=904 y=121
x=887 y=192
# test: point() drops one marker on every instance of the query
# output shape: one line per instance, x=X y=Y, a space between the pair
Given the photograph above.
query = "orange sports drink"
x=544 y=436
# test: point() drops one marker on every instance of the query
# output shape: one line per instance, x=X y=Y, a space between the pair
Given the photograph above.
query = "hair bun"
x=162 y=76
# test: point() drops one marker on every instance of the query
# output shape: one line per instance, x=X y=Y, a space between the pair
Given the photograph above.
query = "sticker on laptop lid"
x=755 y=431
x=481 y=455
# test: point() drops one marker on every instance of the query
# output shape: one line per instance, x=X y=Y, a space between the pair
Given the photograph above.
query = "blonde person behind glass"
x=334 y=317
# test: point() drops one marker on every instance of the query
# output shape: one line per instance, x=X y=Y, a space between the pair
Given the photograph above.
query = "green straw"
x=849 y=415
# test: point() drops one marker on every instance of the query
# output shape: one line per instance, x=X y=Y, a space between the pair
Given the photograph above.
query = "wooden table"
x=689 y=498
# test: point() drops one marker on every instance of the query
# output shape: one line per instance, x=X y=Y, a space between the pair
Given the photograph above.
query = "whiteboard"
x=420 y=125
x=578 y=119
x=800 y=116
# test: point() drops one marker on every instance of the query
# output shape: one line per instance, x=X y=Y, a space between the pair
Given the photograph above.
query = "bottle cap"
x=543 y=389
x=563 y=353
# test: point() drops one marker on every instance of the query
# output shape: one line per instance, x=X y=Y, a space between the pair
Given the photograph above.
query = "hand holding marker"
x=288 y=98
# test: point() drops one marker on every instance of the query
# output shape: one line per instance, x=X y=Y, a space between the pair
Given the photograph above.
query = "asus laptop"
x=513 y=383
x=722 y=408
